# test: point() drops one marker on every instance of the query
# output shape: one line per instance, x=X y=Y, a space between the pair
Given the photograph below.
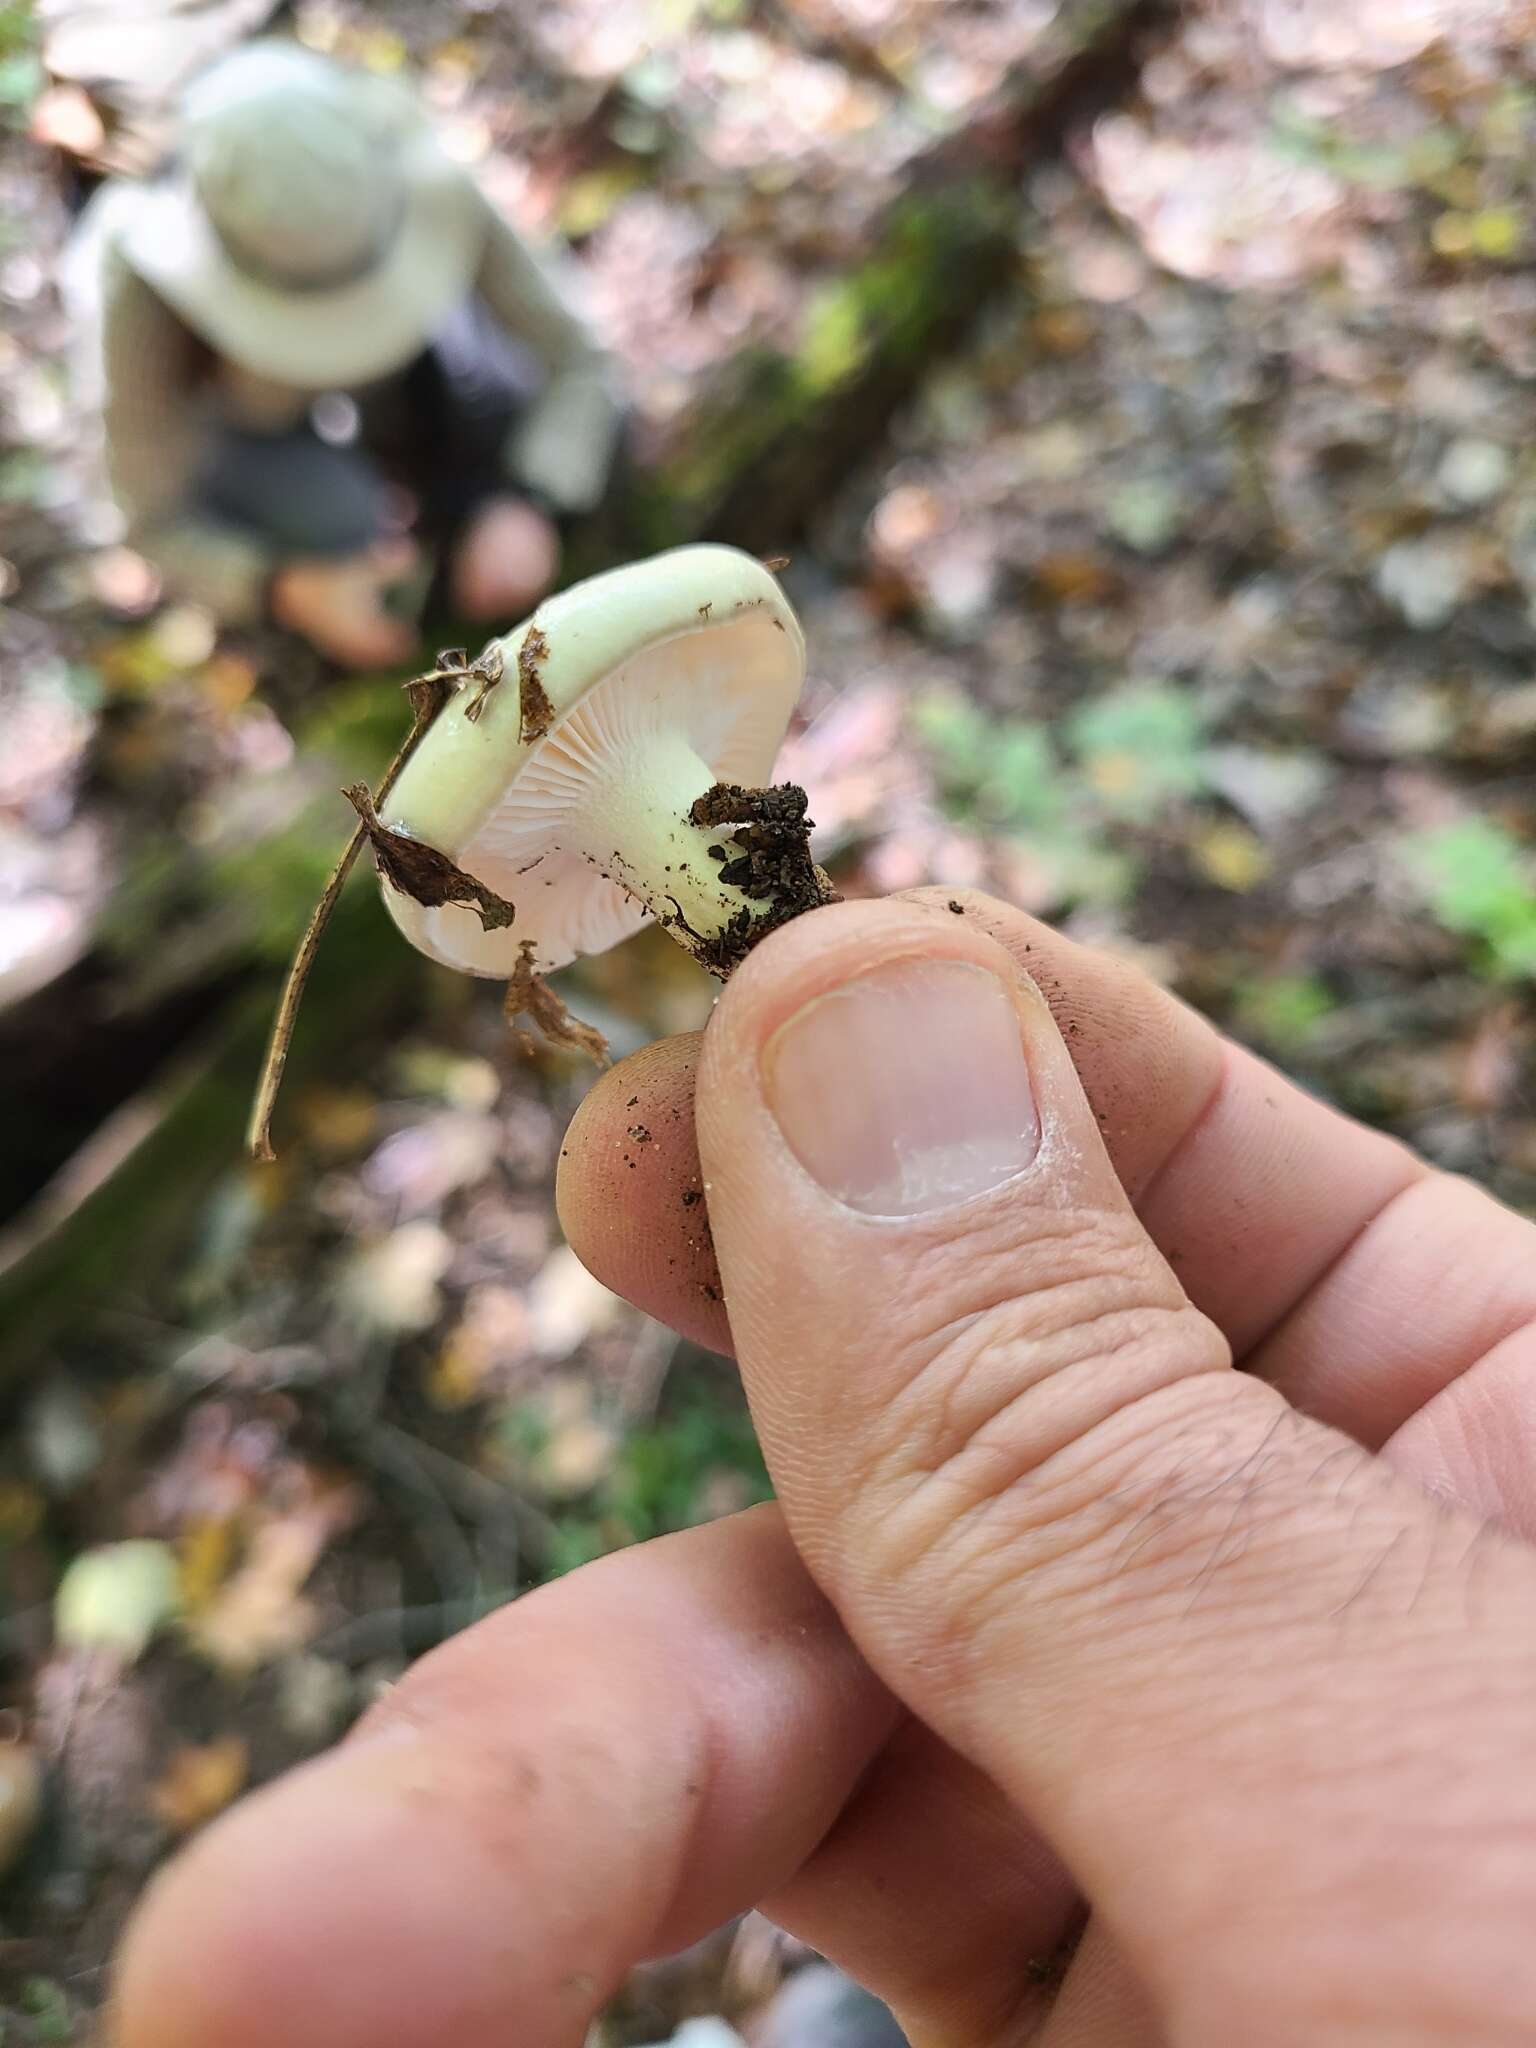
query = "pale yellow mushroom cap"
x=694 y=656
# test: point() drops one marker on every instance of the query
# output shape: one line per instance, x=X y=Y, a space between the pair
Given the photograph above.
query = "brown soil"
x=772 y=862
x=421 y=872
x=536 y=712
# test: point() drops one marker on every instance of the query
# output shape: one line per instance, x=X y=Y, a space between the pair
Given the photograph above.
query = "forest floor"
x=1188 y=599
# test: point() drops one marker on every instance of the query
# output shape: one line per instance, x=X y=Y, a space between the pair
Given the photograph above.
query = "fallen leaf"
x=1075 y=577
x=184 y=636
x=1427 y=580
x=315 y=1698
x=1496 y=1059
x=1232 y=857
x=338 y=1121
x=530 y=994
x=260 y=1614
x=1269 y=785
x=418 y=1168
x=392 y=1285
x=1474 y=471
x=566 y=1305
x=200 y=1781
x=21 y=1511
x=577 y=1447
x=206 y=1550
x=491 y=1336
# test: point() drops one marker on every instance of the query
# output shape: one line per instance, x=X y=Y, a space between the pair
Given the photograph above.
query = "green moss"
x=885 y=315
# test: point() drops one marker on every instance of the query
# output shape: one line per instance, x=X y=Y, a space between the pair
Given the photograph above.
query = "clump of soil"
x=535 y=711
x=771 y=861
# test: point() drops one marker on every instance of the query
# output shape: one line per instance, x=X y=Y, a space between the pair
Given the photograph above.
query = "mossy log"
x=764 y=450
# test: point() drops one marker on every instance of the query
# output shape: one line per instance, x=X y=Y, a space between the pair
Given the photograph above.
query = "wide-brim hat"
x=179 y=232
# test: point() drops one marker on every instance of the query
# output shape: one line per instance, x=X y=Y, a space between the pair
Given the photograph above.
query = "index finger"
x=601 y=1771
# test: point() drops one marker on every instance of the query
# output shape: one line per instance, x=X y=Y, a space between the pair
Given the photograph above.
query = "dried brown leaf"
x=422 y=873
x=529 y=992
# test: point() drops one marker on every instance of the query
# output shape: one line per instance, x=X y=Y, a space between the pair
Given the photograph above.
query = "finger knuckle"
x=1032 y=1413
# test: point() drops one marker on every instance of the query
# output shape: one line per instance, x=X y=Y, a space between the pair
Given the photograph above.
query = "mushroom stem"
x=637 y=828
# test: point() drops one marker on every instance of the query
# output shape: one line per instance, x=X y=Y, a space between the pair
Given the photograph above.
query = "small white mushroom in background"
x=609 y=768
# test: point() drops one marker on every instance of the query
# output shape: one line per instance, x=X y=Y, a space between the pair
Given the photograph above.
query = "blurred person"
x=314 y=342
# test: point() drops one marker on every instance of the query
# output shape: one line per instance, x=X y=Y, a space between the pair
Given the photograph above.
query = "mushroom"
x=619 y=777
x=599 y=774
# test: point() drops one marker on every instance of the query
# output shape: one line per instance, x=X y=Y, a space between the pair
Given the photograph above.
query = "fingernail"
x=906 y=1090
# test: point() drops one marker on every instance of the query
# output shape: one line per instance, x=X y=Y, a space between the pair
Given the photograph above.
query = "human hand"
x=506 y=560
x=1250 y=1655
x=337 y=603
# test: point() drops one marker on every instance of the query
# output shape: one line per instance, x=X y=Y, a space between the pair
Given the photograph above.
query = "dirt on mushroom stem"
x=772 y=866
x=717 y=865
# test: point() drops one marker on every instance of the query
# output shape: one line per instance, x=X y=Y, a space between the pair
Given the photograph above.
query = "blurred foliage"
x=1124 y=759
x=1140 y=748
x=659 y=1476
x=1480 y=882
x=22 y=76
x=1284 y=1011
x=1423 y=158
x=47 y=2005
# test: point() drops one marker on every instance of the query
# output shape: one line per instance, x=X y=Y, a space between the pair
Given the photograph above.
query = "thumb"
x=1264 y=1697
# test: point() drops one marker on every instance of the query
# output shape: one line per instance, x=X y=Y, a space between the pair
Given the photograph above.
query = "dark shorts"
x=438 y=430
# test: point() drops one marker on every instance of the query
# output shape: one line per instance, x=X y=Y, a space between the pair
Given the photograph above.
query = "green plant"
x=662 y=1471
x=1146 y=513
x=1419 y=159
x=659 y=1478
x=48 y=2007
x=1001 y=772
x=22 y=76
x=1138 y=749
x=1284 y=1010
x=1141 y=747
x=1479 y=881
